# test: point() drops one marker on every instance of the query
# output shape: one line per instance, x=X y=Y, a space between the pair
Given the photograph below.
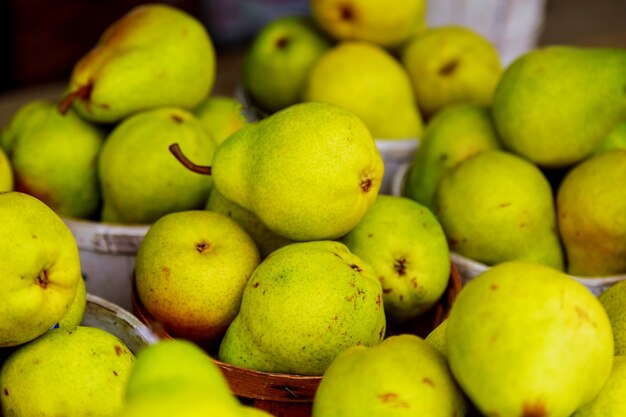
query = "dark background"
x=40 y=40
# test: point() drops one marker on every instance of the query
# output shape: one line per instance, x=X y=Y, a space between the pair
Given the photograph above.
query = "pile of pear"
x=383 y=63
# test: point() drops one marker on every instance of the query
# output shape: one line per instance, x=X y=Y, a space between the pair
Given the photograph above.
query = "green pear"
x=39 y=268
x=451 y=136
x=404 y=242
x=591 y=203
x=191 y=269
x=74 y=315
x=528 y=340
x=141 y=181
x=542 y=113
x=77 y=371
x=370 y=20
x=437 y=338
x=451 y=65
x=402 y=376
x=266 y=240
x=6 y=172
x=338 y=301
x=368 y=81
x=221 y=116
x=309 y=172
x=279 y=59
x=54 y=158
x=137 y=65
x=496 y=206
x=610 y=402
x=616 y=139
x=613 y=299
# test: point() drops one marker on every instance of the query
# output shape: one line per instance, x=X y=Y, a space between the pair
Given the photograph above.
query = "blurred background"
x=40 y=40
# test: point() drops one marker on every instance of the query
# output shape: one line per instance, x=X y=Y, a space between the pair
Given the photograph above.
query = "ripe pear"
x=610 y=402
x=542 y=113
x=6 y=172
x=591 y=207
x=616 y=139
x=451 y=65
x=77 y=371
x=452 y=135
x=613 y=299
x=137 y=65
x=265 y=240
x=54 y=158
x=74 y=315
x=402 y=376
x=279 y=59
x=371 y=20
x=404 y=242
x=309 y=172
x=438 y=339
x=191 y=269
x=221 y=116
x=141 y=181
x=368 y=81
x=528 y=340
x=338 y=300
x=39 y=268
x=496 y=206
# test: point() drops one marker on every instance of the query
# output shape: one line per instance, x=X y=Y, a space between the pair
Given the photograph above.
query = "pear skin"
x=610 y=402
x=616 y=139
x=6 y=173
x=613 y=300
x=221 y=116
x=74 y=315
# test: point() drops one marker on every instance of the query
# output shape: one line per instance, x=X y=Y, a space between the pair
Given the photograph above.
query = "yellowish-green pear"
x=221 y=116
x=6 y=172
x=613 y=299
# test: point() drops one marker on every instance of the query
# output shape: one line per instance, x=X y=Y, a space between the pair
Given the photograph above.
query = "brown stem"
x=198 y=169
x=83 y=92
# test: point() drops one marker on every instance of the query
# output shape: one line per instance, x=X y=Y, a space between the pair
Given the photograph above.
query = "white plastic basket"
x=513 y=26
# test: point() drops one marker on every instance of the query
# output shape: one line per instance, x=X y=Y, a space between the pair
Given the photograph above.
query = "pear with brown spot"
x=526 y=340
x=402 y=376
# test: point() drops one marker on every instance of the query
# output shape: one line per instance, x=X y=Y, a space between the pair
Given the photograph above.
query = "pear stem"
x=198 y=169
x=66 y=102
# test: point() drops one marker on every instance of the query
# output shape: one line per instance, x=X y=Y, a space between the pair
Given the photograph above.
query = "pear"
x=451 y=65
x=616 y=139
x=338 y=301
x=141 y=181
x=496 y=206
x=371 y=83
x=372 y=21
x=77 y=371
x=591 y=203
x=221 y=116
x=54 y=158
x=265 y=240
x=404 y=242
x=39 y=268
x=309 y=172
x=452 y=135
x=613 y=300
x=75 y=314
x=6 y=173
x=137 y=65
x=437 y=338
x=191 y=269
x=610 y=402
x=528 y=340
x=402 y=376
x=279 y=59
x=542 y=113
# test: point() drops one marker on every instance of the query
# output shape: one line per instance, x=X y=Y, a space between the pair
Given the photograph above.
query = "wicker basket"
x=285 y=395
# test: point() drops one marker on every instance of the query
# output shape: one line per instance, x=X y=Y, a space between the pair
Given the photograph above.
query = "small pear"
x=527 y=340
x=451 y=65
x=77 y=371
x=438 y=339
x=591 y=202
x=611 y=401
x=616 y=139
x=368 y=81
x=137 y=65
x=452 y=135
x=371 y=21
x=191 y=270
x=542 y=113
x=54 y=158
x=141 y=181
x=496 y=206
x=613 y=299
x=338 y=301
x=6 y=173
x=75 y=314
x=402 y=376
x=404 y=242
x=221 y=116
